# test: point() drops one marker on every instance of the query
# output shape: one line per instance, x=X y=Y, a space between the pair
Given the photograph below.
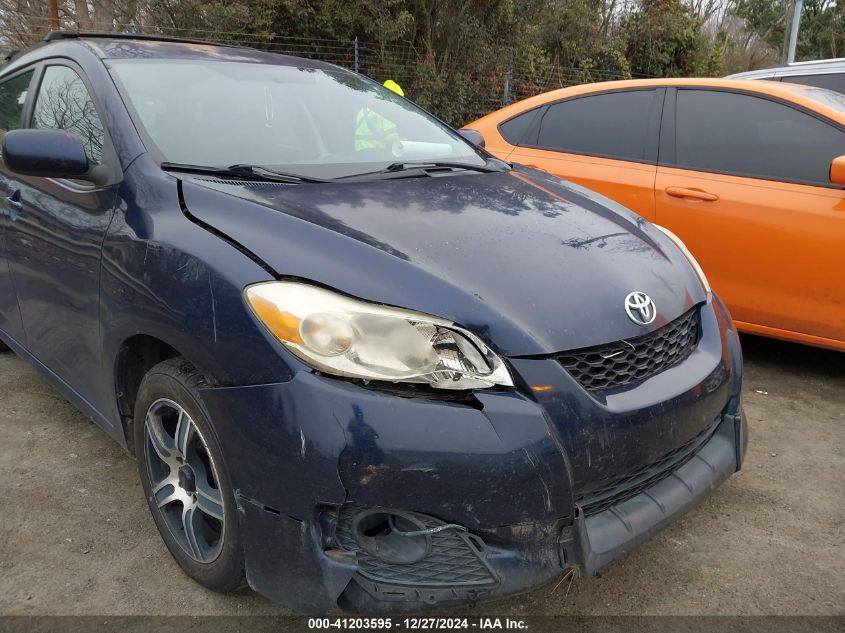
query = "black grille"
x=600 y=499
x=456 y=558
x=623 y=362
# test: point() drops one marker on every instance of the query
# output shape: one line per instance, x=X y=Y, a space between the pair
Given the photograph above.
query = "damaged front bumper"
x=482 y=498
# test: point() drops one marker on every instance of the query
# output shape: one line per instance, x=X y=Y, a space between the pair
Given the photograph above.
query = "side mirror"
x=837 y=171
x=473 y=136
x=46 y=153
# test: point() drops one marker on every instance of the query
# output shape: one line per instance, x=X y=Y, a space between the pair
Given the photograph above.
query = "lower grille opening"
x=600 y=499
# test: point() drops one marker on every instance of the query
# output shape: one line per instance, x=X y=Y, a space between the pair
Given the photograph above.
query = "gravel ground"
x=76 y=537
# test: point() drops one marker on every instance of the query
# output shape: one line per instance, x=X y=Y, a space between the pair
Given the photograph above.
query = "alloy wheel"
x=184 y=481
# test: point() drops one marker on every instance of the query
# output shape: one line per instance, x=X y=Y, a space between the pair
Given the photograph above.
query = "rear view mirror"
x=473 y=136
x=46 y=153
x=837 y=171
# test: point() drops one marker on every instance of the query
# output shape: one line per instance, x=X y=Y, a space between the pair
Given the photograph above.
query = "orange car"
x=751 y=175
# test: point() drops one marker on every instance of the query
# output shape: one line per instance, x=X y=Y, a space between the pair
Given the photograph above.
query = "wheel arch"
x=135 y=357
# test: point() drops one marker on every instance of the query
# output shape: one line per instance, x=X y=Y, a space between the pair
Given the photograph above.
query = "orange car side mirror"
x=837 y=170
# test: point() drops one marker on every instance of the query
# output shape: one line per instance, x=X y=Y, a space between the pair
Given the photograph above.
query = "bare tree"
x=64 y=103
x=25 y=22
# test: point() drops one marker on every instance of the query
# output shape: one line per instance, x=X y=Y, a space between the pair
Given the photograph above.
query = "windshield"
x=316 y=122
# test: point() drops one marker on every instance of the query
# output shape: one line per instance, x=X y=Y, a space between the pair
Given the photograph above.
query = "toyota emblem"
x=640 y=308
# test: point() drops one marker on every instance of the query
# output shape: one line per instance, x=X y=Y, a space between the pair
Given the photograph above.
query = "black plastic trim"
x=54 y=36
x=606 y=536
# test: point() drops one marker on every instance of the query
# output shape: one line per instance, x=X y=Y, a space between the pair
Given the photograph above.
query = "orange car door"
x=606 y=142
x=744 y=181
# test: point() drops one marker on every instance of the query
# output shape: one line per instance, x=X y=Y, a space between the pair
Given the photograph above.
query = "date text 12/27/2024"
x=417 y=624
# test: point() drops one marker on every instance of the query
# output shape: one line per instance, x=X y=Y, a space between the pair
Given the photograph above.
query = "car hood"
x=531 y=263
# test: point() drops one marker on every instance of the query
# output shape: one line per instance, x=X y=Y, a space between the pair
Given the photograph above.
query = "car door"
x=13 y=92
x=744 y=181
x=606 y=142
x=54 y=241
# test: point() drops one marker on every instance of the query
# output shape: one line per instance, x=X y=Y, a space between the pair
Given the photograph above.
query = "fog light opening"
x=393 y=537
x=374 y=525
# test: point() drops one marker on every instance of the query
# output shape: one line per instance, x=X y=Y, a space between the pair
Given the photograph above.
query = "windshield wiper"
x=435 y=164
x=243 y=171
x=422 y=166
x=260 y=171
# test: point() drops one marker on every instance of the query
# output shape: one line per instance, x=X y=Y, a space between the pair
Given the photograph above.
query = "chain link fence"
x=449 y=88
x=501 y=81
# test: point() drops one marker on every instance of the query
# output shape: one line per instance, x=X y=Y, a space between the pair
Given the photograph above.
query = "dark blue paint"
x=531 y=264
x=53 y=250
x=45 y=153
x=494 y=253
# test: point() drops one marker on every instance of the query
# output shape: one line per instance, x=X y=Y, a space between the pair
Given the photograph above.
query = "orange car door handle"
x=695 y=194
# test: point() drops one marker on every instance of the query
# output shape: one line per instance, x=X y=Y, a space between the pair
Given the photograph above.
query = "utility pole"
x=54 y=15
x=793 y=34
x=356 y=53
x=506 y=95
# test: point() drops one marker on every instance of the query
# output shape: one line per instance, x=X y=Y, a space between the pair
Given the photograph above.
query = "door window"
x=516 y=130
x=12 y=99
x=64 y=103
x=614 y=124
x=751 y=136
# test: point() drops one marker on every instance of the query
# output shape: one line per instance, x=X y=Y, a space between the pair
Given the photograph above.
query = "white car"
x=825 y=73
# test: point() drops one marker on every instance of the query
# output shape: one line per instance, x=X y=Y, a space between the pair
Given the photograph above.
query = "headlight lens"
x=347 y=337
x=680 y=244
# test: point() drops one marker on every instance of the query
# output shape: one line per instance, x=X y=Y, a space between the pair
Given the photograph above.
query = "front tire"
x=181 y=466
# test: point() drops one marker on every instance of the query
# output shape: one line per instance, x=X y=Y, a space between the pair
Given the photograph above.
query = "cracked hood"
x=530 y=263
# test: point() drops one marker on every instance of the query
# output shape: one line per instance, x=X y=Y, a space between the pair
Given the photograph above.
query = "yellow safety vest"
x=373 y=131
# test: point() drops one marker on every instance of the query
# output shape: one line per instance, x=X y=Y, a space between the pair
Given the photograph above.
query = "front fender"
x=166 y=277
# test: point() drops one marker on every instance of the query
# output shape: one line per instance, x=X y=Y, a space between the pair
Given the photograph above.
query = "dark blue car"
x=360 y=361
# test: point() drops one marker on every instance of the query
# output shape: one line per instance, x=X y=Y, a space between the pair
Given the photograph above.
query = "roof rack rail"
x=829 y=60
x=54 y=36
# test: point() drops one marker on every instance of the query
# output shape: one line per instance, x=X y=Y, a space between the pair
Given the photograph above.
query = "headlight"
x=347 y=337
x=680 y=244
